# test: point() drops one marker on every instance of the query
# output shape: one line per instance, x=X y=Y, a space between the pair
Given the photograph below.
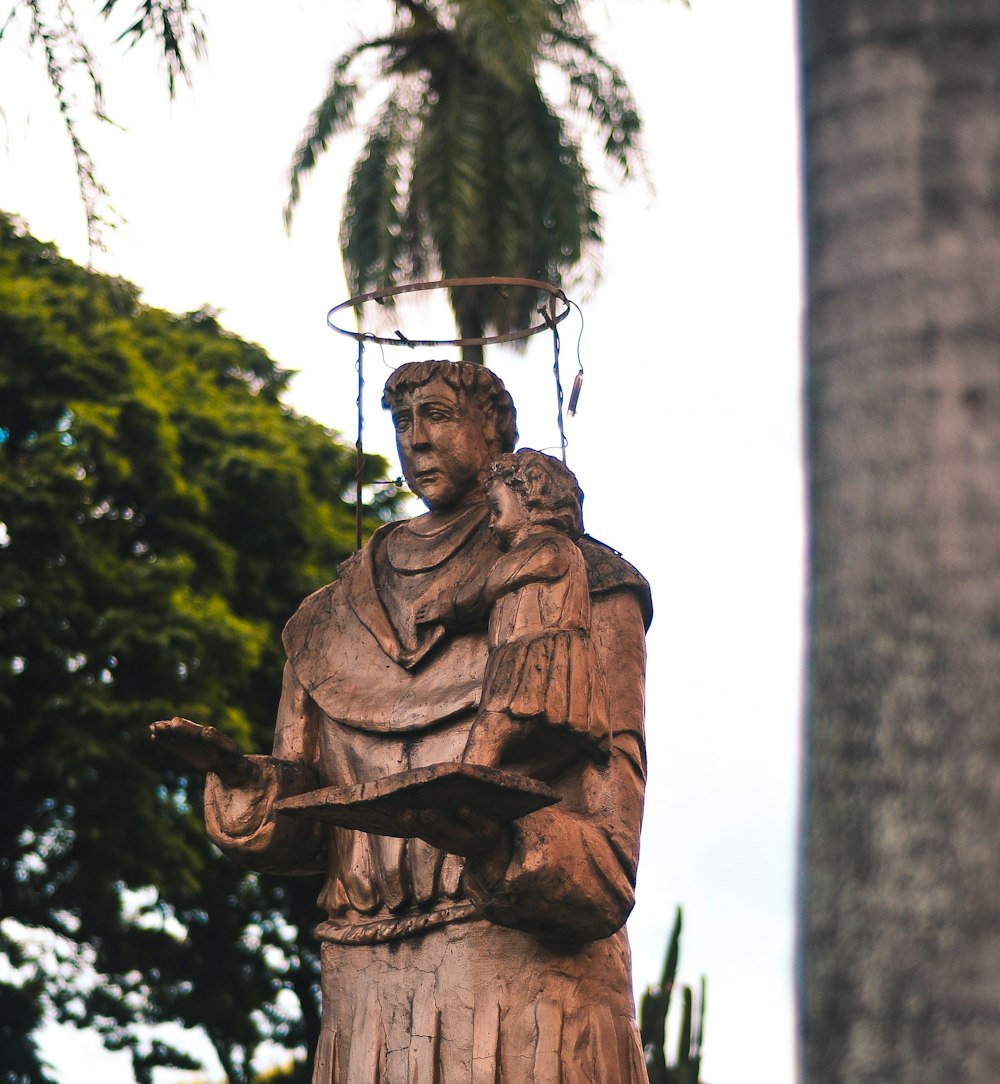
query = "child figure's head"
x=528 y=490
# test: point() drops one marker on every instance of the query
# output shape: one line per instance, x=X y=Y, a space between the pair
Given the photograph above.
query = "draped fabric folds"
x=555 y=678
x=477 y=1004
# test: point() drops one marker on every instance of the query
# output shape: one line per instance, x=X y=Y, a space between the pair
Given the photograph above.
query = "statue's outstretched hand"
x=203 y=747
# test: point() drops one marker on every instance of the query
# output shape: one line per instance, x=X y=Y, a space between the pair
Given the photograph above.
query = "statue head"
x=547 y=489
x=452 y=420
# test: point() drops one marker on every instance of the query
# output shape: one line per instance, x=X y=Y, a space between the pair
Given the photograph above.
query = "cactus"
x=653 y=1009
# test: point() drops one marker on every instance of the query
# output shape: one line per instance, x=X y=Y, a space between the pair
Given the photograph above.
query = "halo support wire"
x=551 y=317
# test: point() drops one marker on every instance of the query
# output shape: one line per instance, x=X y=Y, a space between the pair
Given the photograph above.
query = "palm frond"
x=176 y=24
x=371 y=230
x=502 y=38
x=64 y=50
x=598 y=88
x=518 y=196
x=546 y=218
x=334 y=114
x=447 y=169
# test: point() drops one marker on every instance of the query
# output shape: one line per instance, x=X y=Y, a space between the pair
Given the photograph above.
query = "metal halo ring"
x=443 y=284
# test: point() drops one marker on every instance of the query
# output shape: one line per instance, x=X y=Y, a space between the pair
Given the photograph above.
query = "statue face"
x=508 y=516
x=445 y=443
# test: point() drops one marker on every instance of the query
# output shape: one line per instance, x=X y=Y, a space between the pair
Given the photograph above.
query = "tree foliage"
x=162 y=516
x=468 y=169
x=52 y=28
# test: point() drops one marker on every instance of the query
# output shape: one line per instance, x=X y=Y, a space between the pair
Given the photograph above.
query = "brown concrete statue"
x=478 y=661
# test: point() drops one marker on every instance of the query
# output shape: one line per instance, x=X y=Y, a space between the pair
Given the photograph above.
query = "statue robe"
x=512 y=967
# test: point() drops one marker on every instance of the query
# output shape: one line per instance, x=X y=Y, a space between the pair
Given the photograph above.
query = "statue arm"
x=568 y=872
x=536 y=561
x=241 y=819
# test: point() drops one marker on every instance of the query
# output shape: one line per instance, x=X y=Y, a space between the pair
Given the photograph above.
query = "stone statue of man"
x=511 y=964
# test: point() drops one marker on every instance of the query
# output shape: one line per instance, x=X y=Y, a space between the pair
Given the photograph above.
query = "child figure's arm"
x=459 y=605
x=540 y=558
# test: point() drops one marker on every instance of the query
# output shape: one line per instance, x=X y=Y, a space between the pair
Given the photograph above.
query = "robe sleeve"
x=567 y=872
x=242 y=821
x=539 y=559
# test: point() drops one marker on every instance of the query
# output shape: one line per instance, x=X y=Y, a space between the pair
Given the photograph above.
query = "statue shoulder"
x=314 y=611
x=608 y=571
x=318 y=611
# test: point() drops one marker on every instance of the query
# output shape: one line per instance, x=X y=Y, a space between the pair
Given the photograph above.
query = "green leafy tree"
x=162 y=516
x=467 y=168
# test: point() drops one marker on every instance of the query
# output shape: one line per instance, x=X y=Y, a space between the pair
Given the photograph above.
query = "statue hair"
x=477 y=383
x=550 y=491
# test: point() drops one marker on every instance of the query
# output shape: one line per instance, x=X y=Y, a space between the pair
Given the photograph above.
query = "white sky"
x=687 y=442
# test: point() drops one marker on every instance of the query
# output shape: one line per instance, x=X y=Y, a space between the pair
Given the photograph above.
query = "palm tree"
x=467 y=169
x=900 y=924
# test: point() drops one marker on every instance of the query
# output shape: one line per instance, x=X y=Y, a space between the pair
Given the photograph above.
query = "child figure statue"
x=544 y=691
